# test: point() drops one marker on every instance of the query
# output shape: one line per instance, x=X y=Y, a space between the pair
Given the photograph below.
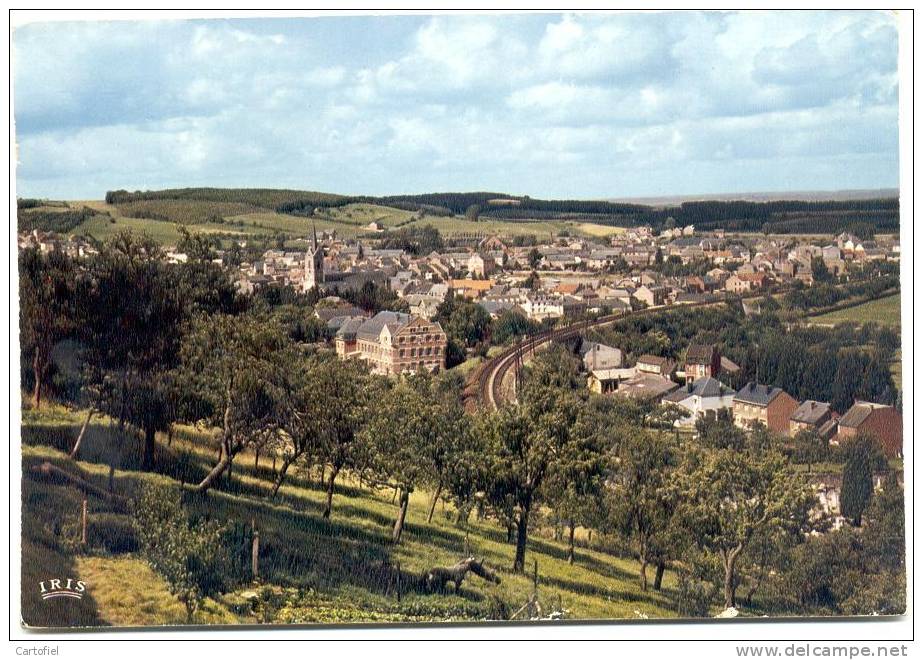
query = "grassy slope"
x=328 y=561
x=885 y=310
x=348 y=221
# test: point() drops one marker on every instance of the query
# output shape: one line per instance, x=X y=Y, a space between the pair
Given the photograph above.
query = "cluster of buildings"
x=695 y=390
x=45 y=242
x=566 y=277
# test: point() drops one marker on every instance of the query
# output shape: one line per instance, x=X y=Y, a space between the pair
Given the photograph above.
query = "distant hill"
x=863 y=212
x=793 y=195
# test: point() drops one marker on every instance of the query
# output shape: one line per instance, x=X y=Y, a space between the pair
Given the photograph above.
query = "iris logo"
x=60 y=588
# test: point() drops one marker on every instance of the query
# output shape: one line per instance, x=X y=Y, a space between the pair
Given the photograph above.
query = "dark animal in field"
x=436 y=579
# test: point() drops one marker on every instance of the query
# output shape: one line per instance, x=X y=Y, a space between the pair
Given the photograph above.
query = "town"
x=551 y=284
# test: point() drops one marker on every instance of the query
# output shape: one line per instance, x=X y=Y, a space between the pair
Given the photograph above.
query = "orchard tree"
x=131 y=338
x=344 y=399
x=236 y=366
x=728 y=497
x=413 y=439
x=527 y=442
x=48 y=309
x=809 y=447
x=643 y=498
x=575 y=487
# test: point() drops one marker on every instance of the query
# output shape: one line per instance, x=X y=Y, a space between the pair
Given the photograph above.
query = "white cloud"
x=534 y=104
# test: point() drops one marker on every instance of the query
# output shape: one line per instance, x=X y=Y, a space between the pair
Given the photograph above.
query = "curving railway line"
x=484 y=386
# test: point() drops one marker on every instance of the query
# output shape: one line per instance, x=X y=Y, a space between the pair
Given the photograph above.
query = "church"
x=313 y=266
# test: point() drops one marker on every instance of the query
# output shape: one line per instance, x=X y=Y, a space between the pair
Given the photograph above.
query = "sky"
x=547 y=105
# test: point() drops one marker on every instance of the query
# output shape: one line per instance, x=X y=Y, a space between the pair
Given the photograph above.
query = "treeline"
x=785 y=216
x=269 y=198
x=819 y=217
x=60 y=222
x=30 y=203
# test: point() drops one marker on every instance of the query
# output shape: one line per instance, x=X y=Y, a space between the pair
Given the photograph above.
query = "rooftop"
x=810 y=412
x=761 y=395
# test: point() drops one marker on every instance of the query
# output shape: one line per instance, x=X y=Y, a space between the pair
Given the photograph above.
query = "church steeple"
x=314 y=226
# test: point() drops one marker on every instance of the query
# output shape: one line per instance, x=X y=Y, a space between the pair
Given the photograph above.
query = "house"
x=736 y=284
x=422 y=304
x=540 y=307
x=345 y=339
x=762 y=403
x=496 y=307
x=881 y=422
x=651 y=295
x=606 y=381
x=393 y=343
x=809 y=416
x=480 y=266
x=599 y=356
x=646 y=386
x=337 y=309
x=702 y=361
x=652 y=364
x=699 y=396
x=471 y=289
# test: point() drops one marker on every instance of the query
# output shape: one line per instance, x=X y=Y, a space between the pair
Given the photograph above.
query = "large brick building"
x=771 y=406
x=394 y=343
x=881 y=422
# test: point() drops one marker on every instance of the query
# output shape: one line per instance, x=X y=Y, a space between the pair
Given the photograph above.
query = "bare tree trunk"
x=335 y=470
x=522 y=534
x=147 y=449
x=170 y=435
x=215 y=473
x=38 y=371
x=658 y=576
x=256 y=459
x=401 y=515
x=643 y=572
x=281 y=477
x=432 y=504
x=83 y=432
x=730 y=564
x=570 y=541
x=54 y=474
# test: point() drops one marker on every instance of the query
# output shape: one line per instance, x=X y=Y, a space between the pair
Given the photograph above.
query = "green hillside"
x=314 y=570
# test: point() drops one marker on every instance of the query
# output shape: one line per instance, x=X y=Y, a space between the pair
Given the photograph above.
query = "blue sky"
x=548 y=105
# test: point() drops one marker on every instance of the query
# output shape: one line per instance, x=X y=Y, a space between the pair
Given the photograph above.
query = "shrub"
x=111 y=532
x=191 y=558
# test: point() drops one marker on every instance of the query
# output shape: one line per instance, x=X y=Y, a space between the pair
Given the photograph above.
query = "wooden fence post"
x=255 y=553
x=83 y=523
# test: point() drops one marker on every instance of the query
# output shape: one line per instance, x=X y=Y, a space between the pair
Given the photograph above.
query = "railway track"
x=484 y=387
